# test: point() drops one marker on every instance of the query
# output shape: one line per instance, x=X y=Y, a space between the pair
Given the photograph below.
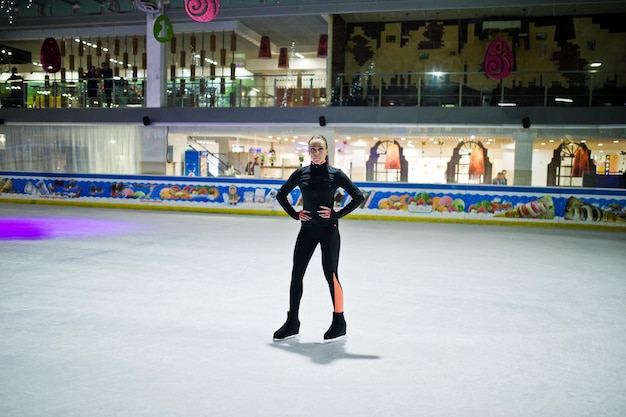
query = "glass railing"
x=463 y=89
x=297 y=90
x=451 y=89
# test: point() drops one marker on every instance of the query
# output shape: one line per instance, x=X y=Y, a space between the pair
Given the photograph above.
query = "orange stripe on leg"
x=338 y=295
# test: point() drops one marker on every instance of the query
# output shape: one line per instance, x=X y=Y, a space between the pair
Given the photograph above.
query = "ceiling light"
x=595 y=64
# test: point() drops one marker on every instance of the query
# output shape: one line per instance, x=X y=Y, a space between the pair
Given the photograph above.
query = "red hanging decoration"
x=499 y=60
x=50 y=55
x=392 y=158
x=202 y=10
x=477 y=162
x=283 y=58
x=322 y=46
x=265 y=49
x=581 y=162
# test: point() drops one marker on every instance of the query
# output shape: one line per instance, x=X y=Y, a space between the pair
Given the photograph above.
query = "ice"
x=165 y=314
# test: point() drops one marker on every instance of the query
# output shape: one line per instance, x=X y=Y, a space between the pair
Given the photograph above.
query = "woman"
x=318 y=184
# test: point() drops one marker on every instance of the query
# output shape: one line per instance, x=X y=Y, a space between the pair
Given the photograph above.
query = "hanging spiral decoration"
x=498 y=62
x=50 y=56
x=202 y=10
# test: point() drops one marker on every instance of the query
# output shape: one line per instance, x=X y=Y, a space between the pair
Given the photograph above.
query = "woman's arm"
x=283 y=192
x=357 y=196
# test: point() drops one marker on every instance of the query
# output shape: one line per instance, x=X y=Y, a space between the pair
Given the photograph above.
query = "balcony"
x=427 y=89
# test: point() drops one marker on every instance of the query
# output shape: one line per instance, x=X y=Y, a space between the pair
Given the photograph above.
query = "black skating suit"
x=318 y=185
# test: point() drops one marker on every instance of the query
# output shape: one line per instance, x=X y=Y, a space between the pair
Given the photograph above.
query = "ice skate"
x=289 y=330
x=337 y=330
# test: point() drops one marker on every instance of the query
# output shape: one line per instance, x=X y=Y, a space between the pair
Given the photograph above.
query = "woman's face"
x=317 y=151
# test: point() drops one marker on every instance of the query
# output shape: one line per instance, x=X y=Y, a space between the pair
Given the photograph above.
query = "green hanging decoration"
x=163 y=25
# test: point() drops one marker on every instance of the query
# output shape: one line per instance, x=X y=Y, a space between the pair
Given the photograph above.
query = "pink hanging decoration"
x=50 y=56
x=499 y=60
x=202 y=10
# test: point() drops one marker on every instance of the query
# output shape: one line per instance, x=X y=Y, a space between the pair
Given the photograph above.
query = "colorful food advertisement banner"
x=404 y=201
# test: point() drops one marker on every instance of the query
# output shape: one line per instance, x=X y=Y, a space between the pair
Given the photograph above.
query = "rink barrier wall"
x=461 y=203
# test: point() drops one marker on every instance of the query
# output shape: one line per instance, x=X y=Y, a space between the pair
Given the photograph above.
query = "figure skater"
x=318 y=184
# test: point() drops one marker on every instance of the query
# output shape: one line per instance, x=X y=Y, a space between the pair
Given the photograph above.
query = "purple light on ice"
x=34 y=228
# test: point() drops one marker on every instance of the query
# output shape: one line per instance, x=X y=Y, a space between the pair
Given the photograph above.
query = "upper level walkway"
x=425 y=89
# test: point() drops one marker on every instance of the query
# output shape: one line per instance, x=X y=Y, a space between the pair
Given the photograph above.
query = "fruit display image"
x=486 y=206
x=579 y=210
x=425 y=203
x=541 y=208
x=189 y=192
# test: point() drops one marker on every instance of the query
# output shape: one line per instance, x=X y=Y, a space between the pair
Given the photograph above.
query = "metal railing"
x=471 y=89
x=451 y=89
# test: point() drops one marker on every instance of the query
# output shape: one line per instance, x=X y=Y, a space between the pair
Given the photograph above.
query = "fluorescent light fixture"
x=507 y=104
x=595 y=64
x=563 y=100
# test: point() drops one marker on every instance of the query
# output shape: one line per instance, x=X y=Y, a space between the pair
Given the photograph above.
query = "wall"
x=539 y=206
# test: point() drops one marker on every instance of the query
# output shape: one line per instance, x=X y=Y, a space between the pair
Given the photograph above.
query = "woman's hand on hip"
x=304 y=215
x=324 y=212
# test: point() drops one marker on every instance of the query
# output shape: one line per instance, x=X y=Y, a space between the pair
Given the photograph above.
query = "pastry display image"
x=6 y=185
x=394 y=202
x=542 y=208
x=577 y=209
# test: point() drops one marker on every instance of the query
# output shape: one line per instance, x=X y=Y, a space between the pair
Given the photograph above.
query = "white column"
x=156 y=78
x=524 y=140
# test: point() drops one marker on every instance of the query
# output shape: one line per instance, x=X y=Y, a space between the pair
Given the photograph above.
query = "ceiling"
x=285 y=22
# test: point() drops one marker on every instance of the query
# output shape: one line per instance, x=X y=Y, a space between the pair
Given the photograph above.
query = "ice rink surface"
x=110 y=313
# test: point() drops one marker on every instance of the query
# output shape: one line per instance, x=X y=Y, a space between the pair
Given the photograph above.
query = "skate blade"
x=336 y=339
x=295 y=336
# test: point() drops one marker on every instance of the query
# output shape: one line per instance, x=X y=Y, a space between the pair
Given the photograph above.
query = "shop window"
x=469 y=164
x=387 y=163
x=570 y=162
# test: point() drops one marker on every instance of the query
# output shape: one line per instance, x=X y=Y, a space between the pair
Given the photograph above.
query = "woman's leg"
x=305 y=246
x=330 y=246
x=303 y=250
x=330 y=262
